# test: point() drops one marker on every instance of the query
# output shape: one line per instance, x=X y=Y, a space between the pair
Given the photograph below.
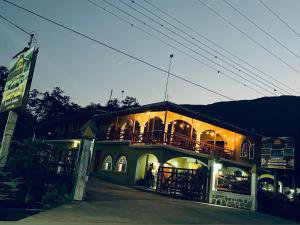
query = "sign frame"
x=17 y=86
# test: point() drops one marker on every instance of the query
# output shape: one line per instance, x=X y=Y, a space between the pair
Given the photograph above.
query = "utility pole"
x=122 y=92
x=166 y=90
x=110 y=95
x=122 y=96
x=10 y=127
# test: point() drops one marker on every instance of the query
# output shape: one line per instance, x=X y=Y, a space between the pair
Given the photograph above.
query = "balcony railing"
x=173 y=139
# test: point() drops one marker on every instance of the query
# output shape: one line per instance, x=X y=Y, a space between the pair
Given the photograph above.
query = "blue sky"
x=87 y=71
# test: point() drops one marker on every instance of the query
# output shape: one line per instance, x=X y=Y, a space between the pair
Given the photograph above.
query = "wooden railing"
x=176 y=140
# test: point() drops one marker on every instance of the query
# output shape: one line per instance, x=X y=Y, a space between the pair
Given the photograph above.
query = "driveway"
x=110 y=204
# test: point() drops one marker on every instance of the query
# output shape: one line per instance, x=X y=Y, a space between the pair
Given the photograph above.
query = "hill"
x=269 y=116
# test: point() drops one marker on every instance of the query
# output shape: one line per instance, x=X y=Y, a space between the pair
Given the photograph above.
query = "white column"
x=254 y=188
x=211 y=167
x=142 y=129
x=82 y=168
x=198 y=139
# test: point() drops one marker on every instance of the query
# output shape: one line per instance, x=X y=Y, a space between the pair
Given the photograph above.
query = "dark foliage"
x=47 y=105
x=36 y=175
x=3 y=76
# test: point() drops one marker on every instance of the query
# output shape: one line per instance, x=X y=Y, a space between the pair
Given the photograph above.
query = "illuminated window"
x=121 y=165
x=107 y=163
x=247 y=150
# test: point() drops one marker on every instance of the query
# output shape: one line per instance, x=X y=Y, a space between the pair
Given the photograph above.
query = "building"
x=188 y=154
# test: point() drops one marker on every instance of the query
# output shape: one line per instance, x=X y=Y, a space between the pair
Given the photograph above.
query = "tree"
x=95 y=107
x=112 y=104
x=49 y=105
x=3 y=76
x=129 y=102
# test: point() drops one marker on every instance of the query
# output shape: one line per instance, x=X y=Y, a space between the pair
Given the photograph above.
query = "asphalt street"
x=110 y=204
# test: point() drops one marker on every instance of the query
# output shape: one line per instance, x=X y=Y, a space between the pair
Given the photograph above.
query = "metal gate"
x=185 y=183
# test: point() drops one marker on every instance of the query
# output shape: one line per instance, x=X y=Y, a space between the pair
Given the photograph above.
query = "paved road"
x=113 y=204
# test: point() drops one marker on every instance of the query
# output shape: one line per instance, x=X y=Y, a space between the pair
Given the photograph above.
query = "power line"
x=219 y=46
x=261 y=29
x=15 y=25
x=18 y=27
x=144 y=23
x=249 y=37
x=193 y=38
x=172 y=46
x=115 y=49
x=278 y=17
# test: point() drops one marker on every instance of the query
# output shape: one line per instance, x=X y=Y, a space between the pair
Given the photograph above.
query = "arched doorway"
x=212 y=141
x=233 y=179
x=127 y=130
x=266 y=183
x=144 y=163
x=185 y=177
x=185 y=163
x=114 y=132
x=181 y=134
x=154 y=131
x=130 y=128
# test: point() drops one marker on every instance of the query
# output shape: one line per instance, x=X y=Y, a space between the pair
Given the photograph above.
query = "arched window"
x=121 y=165
x=247 y=149
x=107 y=163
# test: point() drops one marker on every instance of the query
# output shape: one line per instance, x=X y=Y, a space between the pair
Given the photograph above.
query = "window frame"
x=104 y=163
x=248 y=153
x=118 y=164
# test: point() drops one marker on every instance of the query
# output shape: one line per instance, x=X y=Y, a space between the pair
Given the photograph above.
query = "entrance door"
x=185 y=183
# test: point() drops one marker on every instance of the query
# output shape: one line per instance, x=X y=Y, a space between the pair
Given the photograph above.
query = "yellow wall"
x=141 y=166
x=232 y=140
x=184 y=162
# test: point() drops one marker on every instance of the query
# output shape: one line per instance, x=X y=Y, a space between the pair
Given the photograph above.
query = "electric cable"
x=115 y=49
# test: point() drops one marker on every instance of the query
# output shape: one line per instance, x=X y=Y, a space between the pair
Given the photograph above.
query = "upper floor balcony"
x=173 y=125
x=176 y=140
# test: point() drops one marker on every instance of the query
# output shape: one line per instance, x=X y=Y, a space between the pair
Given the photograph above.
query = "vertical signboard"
x=18 y=80
x=278 y=153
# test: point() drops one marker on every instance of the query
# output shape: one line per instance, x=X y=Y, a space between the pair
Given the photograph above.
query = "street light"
x=166 y=90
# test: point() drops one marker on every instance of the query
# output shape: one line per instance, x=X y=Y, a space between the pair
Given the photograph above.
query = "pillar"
x=142 y=129
x=81 y=173
x=7 y=136
x=275 y=182
x=254 y=182
x=198 y=139
x=211 y=186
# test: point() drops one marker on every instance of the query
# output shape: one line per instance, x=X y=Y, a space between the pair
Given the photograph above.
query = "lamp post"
x=166 y=90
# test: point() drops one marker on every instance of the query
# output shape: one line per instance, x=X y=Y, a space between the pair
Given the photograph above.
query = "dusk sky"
x=87 y=71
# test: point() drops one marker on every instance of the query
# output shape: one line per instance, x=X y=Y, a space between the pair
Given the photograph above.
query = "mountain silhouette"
x=268 y=116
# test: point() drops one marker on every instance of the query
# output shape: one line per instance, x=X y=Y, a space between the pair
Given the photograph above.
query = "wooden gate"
x=185 y=183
